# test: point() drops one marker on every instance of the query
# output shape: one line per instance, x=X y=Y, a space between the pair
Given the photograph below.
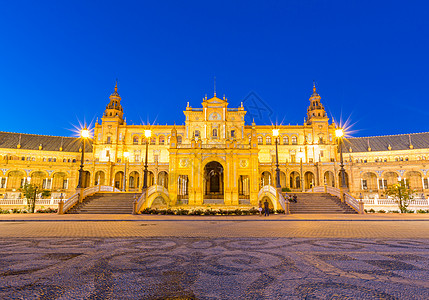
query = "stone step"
x=106 y=203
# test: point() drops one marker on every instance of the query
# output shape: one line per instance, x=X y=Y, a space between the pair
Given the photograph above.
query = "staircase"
x=319 y=203
x=105 y=203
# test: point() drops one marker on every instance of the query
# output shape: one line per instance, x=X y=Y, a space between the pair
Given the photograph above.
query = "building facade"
x=214 y=157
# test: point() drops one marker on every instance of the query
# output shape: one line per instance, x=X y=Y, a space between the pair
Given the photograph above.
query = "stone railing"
x=24 y=201
x=273 y=191
x=147 y=193
x=267 y=189
x=69 y=203
x=390 y=201
x=140 y=201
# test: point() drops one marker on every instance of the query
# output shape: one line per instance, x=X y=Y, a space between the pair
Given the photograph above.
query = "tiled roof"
x=381 y=143
x=49 y=143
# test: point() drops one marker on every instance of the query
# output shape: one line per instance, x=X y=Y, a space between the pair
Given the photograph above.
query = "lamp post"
x=126 y=154
x=147 y=134
x=276 y=135
x=301 y=156
x=84 y=134
x=339 y=133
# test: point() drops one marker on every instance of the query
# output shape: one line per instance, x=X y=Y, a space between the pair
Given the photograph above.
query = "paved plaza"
x=168 y=257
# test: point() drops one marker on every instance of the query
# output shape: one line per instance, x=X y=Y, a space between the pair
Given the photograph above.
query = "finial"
x=411 y=144
x=314 y=86
x=215 y=86
x=116 y=86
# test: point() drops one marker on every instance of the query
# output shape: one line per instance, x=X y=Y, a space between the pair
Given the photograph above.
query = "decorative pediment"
x=216 y=100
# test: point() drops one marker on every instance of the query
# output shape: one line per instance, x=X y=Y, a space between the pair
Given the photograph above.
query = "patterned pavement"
x=214 y=260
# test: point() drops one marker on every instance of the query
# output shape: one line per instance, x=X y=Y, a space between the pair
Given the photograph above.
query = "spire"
x=314 y=86
x=116 y=86
x=215 y=86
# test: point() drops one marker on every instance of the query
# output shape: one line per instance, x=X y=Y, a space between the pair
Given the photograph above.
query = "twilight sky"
x=59 y=61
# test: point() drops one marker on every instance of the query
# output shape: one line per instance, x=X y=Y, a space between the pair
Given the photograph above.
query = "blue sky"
x=59 y=60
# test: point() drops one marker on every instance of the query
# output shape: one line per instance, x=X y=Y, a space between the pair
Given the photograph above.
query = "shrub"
x=280 y=211
x=422 y=211
x=394 y=211
x=381 y=211
x=371 y=210
x=182 y=212
x=4 y=211
x=47 y=210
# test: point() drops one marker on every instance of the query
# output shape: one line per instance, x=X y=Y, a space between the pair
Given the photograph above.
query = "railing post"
x=135 y=207
x=326 y=188
x=60 y=207
x=361 y=207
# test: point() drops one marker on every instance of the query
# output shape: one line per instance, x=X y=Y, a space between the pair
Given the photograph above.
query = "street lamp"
x=84 y=134
x=126 y=154
x=339 y=133
x=147 y=134
x=276 y=135
x=301 y=155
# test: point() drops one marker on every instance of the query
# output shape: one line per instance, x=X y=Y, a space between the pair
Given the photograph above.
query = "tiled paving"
x=209 y=259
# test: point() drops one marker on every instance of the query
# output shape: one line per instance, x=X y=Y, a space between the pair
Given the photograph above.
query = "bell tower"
x=114 y=108
x=316 y=120
x=316 y=111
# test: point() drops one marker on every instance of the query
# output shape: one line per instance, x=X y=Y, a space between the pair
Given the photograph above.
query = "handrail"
x=148 y=192
x=70 y=202
x=140 y=201
x=272 y=190
x=347 y=197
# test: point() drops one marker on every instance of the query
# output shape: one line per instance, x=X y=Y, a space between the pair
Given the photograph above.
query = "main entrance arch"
x=213 y=181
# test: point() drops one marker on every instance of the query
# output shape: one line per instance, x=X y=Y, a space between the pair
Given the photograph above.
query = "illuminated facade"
x=214 y=157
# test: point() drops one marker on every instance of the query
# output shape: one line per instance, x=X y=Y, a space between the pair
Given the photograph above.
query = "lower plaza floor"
x=161 y=257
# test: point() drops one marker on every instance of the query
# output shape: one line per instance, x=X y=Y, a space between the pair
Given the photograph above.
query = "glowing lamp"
x=126 y=154
x=147 y=133
x=275 y=132
x=339 y=133
x=84 y=133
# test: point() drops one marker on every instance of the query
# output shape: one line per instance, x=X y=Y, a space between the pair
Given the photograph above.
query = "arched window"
x=268 y=140
x=161 y=140
x=135 y=140
x=233 y=133
x=153 y=140
x=197 y=133
x=285 y=140
x=214 y=133
x=294 y=140
x=260 y=140
x=179 y=139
